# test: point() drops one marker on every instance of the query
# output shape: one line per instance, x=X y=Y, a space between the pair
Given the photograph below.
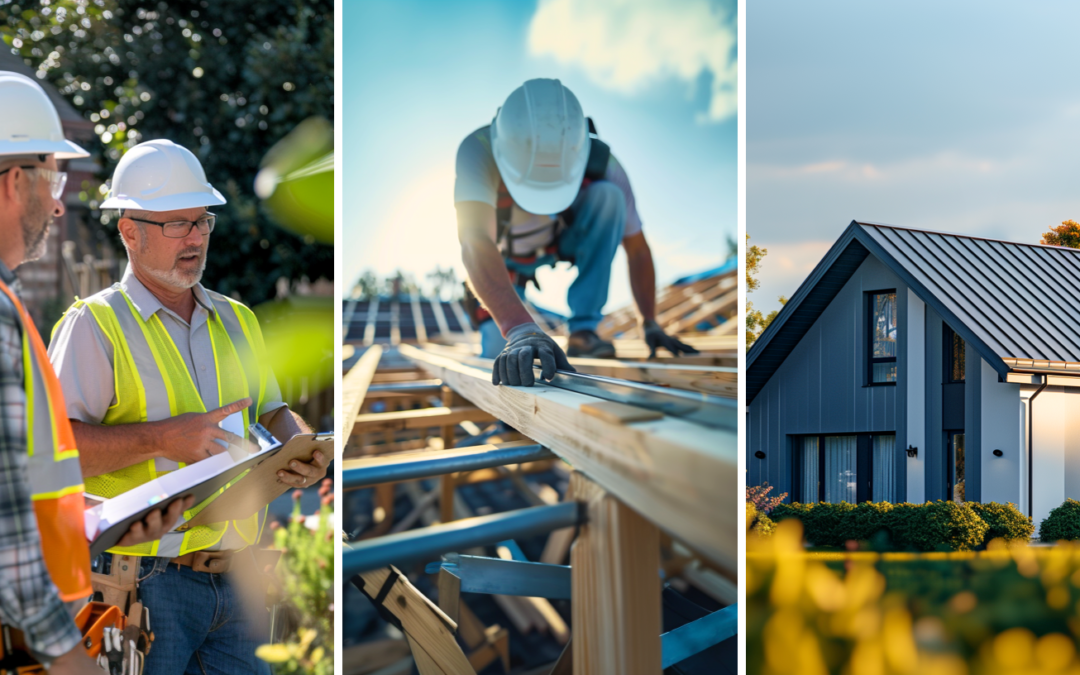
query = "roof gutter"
x=1030 y=448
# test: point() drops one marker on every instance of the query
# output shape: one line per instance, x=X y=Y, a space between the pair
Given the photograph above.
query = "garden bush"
x=1005 y=521
x=934 y=526
x=757 y=521
x=1062 y=523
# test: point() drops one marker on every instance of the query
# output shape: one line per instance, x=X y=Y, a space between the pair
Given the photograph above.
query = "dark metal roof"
x=1007 y=300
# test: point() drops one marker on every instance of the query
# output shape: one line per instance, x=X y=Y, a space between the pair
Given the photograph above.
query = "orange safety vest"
x=56 y=481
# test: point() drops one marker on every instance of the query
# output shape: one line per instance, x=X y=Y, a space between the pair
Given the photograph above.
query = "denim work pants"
x=599 y=219
x=198 y=622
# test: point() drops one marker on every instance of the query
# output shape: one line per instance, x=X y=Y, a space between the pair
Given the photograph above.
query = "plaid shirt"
x=29 y=601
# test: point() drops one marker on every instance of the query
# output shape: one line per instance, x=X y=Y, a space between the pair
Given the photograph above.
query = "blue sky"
x=960 y=117
x=418 y=76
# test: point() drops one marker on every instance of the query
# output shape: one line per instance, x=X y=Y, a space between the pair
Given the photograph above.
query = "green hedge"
x=933 y=526
x=1005 y=521
x=1062 y=523
x=758 y=522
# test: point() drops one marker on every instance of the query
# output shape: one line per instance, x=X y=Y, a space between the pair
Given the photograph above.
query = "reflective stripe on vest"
x=56 y=481
x=152 y=383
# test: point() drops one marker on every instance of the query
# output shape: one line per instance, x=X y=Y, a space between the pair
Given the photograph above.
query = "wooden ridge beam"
x=400 y=420
x=678 y=474
x=372 y=317
x=354 y=387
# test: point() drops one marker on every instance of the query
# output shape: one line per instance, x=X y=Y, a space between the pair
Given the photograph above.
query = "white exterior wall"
x=1001 y=428
x=916 y=392
x=1051 y=410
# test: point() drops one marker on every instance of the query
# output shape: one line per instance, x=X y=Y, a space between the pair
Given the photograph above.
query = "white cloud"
x=625 y=45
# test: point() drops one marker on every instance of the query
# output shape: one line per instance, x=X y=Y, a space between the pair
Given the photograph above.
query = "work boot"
x=587 y=344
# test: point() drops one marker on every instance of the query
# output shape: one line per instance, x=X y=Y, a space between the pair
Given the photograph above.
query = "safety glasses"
x=178 y=229
x=57 y=179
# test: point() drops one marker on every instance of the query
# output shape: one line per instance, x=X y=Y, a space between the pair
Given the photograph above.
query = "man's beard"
x=177 y=278
x=35 y=238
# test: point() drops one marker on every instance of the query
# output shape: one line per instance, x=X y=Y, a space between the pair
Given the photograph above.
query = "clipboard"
x=260 y=487
x=268 y=462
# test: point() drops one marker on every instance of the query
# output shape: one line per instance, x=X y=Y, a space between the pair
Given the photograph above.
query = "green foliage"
x=1062 y=523
x=934 y=526
x=1005 y=521
x=1066 y=234
x=306 y=571
x=758 y=522
x=224 y=79
x=756 y=322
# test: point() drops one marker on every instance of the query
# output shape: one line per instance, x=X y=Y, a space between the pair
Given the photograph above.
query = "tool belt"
x=109 y=638
x=122 y=649
x=213 y=562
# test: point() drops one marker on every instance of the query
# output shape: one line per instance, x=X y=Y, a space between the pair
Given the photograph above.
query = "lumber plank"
x=462 y=318
x=369 y=325
x=418 y=317
x=681 y=475
x=620 y=413
x=370 y=656
x=448 y=483
x=440 y=316
x=615 y=563
x=399 y=420
x=449 y=593
x=354 y=387
x=429 y=631
x=395 y=322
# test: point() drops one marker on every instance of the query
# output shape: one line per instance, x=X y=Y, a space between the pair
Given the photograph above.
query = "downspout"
x=1031 y=449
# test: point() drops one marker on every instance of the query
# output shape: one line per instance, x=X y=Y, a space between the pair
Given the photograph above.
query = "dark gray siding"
x=819 y=387
x=935 y=437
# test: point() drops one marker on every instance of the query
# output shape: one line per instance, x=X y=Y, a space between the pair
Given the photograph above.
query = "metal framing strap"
x=496 y=576
x=361 y=473
x=697 y=636
x=431 y=542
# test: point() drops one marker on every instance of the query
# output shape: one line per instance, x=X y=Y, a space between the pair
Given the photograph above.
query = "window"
x=881 y=311
x=849 y=468
x=955 y=460
x=954 y=356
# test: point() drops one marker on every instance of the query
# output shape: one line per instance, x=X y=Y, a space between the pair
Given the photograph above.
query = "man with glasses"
x=151 y=368
x=44 y=556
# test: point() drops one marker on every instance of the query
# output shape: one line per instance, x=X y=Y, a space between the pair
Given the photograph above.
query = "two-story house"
x=913 y=366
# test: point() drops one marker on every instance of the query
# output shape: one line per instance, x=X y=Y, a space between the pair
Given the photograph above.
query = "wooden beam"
x=372 y=655
x=429 y=631
x=372 y=318
x=681 y=475
x=354 y=387
x=615 y=563
x=448 y=483
x=463 y=318
x=440 y=316
x=418 y=317
x=418 y=419
x=395 y=322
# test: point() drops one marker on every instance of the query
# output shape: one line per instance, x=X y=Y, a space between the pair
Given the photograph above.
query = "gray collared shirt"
x=83 y=357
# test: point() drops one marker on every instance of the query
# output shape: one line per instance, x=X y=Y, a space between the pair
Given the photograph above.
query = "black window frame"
x=948 y=338
x=871 y=360
x=864 y=465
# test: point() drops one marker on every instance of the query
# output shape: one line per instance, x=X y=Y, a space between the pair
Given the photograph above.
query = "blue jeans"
x=599 y=218
x=198 y=622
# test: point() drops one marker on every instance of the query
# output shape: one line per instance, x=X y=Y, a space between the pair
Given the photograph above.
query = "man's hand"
x=656 y=337
x=524 y=344
x=74 y=662
x=191 y=437
x=156 y=524
x=305 y=474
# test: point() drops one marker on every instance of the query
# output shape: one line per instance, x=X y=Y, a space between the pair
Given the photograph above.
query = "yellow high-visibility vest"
x=153 y=383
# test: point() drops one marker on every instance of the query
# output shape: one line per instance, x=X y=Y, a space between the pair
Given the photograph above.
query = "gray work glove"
x=524 y=343
x=656 y=337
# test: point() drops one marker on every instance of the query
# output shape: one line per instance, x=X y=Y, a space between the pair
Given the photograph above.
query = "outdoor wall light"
x=998 y=453
x=759 y=454
x=912 y=451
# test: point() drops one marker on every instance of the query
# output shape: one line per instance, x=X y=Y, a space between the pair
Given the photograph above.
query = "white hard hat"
x=160 y=176
x=540 y=140
x=30 y=124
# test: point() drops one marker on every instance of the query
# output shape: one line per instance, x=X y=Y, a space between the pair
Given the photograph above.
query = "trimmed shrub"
x=1062 y=523
x=1005 y=521
x=758 y=522
x=934 y=526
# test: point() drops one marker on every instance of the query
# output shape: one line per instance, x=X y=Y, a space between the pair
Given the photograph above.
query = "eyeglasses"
x=57 y=179
x=178 y=229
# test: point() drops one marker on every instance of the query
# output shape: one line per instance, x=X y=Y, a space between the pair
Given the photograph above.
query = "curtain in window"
x=883 y=486
x=810 y=470
x=840 y=469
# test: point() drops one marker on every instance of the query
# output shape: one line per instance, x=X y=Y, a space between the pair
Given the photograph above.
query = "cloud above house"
x=628 y=45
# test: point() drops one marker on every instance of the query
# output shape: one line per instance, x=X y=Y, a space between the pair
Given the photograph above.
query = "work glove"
x=525 y=343
x=656 y=337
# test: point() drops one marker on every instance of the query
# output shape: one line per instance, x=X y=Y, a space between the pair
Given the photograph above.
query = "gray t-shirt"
x=82 y=356
x=477 y=180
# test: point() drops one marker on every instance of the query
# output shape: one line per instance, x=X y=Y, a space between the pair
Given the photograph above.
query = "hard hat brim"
x=64 y=149
x=545 y=199
x=187 y=200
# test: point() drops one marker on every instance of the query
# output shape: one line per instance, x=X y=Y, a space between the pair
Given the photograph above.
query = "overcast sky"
x=960 y=117
x=418 y=76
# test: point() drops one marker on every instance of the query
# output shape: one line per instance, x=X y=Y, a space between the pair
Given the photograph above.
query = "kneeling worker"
x=44 y=555
x=149 y=367
x=533 y=188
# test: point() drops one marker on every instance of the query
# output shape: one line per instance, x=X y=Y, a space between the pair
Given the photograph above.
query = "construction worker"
x=44 y=555
x=532 y=188
x=150 y=367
